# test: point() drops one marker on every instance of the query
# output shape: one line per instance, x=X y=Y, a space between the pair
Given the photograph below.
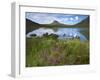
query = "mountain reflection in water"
x=63 y=33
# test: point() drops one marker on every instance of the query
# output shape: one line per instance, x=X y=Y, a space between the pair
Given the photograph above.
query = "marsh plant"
x=64 y=41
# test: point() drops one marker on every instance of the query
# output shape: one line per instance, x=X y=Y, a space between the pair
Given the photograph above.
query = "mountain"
x=30 y=25
x=84 y=23
x=55 y=24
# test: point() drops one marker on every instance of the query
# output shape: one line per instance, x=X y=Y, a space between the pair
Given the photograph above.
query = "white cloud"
x=62 y=19
x=47 y=18
x=40 y=18
x=71 y=19
x=76 y=18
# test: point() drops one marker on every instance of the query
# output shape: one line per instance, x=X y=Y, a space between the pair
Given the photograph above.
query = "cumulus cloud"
x=47 y=18
x=40 y=18
x=76 y=18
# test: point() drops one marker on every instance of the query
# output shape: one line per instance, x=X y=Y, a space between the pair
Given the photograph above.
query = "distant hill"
x=55 y=24
x=84 y=23
x=30 y=25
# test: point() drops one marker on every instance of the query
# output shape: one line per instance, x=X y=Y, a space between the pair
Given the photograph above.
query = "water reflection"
x=63 y=33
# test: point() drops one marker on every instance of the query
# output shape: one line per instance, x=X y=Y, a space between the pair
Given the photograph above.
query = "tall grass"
x=48 y=51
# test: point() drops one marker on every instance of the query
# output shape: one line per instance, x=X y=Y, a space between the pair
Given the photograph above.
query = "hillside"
x=55 y=24
x=30 y=25
x=84 y=23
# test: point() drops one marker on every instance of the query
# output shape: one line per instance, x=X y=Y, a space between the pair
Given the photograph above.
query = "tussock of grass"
x=47 y=51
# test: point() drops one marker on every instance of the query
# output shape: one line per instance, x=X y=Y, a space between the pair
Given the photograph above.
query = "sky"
x=47 y=18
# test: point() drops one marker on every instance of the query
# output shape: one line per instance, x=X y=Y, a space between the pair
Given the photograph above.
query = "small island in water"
x=56 y=39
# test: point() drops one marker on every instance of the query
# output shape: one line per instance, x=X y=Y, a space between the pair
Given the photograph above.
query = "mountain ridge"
x=30 y=25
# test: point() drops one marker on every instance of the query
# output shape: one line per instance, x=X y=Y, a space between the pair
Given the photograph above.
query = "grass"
x=49 y=51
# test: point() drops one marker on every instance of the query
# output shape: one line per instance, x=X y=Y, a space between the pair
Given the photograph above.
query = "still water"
x=63 y=33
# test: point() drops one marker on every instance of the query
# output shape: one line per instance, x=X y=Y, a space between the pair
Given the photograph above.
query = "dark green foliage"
x=30 y=25
x=34 y=35
x=50 y=51
x=54 y=36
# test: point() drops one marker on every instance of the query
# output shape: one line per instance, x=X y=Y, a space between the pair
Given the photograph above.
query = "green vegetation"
x=50 y=51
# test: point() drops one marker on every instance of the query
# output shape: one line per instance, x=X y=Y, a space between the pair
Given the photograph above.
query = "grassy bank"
x=48 y=51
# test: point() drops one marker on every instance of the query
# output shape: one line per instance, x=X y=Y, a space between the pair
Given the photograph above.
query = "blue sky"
x=47 y=18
